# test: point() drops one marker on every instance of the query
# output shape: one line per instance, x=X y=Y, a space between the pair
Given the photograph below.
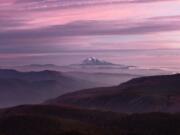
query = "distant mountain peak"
x=95 y=61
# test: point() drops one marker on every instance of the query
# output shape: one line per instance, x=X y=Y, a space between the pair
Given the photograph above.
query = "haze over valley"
x=89 y=67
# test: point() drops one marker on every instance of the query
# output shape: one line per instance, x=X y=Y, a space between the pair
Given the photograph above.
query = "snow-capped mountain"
x=95 y=61
x=92 y=65
x=96 y=65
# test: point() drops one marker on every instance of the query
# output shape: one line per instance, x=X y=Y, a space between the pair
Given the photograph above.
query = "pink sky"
x=47 y=26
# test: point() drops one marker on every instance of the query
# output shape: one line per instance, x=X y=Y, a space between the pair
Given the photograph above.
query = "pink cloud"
x=66 y=23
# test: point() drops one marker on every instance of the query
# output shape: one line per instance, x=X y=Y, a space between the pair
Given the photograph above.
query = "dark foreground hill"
x=53 y=120
x=35 y=87
x=146 y=94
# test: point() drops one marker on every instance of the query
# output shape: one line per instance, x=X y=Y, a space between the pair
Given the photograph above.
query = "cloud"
x=58 y=25
x=64 y=4
x=94 y=28
x=82 y=35
x=27 y=14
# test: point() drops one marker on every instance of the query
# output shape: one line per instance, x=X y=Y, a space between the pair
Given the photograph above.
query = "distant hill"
x=64 y=120
x=35 y=87
x=146 y=94
x=92 y=65
x=36 y=67
x=76 y=71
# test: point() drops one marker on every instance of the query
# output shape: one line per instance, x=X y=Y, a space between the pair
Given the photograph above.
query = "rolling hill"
x=35 y=87
x=145 y=94
x=63 y=120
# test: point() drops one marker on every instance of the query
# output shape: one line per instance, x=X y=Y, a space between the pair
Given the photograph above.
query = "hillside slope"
x=61 y=120
x=35 y=87
x=146 y=94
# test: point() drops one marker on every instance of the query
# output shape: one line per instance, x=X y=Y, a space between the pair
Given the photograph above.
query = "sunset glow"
x=52 y=26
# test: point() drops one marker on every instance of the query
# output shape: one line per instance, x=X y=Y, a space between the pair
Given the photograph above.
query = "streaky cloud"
x=94 y=28
x=61 y=4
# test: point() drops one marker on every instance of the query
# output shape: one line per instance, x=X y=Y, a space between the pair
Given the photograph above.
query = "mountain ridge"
x=146 y=94
x=36 y=87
